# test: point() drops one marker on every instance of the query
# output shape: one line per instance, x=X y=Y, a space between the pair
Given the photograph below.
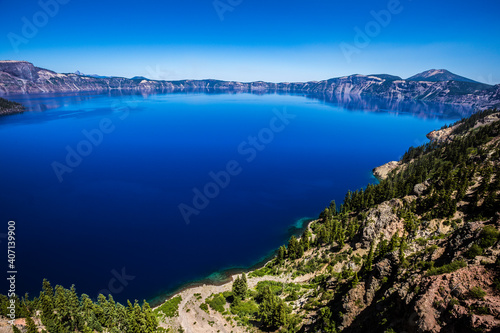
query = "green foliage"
x=204 y=307
x=368 y=267
x=273 y=312
x=273 y=286
x=62 y=311
x=488 y=237
x=326 y=323
x=477 y=292
x=240 y=287
x=261 y=272
x=217 y=302
x=448 y=268
x=170 y=308
x=474 y=251
x=30 y=326
x=465 y=124
x=245 y=309
x=295 y=249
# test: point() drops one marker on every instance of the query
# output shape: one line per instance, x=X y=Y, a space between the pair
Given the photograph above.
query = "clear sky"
x=249 y=40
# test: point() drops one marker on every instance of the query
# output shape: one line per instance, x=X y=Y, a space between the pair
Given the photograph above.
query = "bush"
x=477 y=292
x=474 y=251
x=247 y=308
x=260 y=272
x=489 y=236
x=204 y=307
x=217 y=302
x=171 y=307
x=448 y=268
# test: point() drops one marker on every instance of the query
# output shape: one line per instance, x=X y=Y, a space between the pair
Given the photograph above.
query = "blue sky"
x=249 y=40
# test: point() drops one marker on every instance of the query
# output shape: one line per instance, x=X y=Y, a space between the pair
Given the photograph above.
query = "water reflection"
x=40 y=103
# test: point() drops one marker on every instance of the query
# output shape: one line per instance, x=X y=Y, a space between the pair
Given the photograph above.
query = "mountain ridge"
x=437 y=75
x=22 y=77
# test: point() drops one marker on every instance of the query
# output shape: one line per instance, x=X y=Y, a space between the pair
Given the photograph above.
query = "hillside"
x=435 y=75
x=20 y=77
x=418 y=252
x=9 y=107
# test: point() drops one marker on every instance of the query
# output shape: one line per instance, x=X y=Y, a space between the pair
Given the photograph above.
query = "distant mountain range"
x=21 y=77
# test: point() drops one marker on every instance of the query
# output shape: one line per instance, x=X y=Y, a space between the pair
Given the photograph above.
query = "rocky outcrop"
x=20 y=77
x=382 y=221
x=8 y=107
x=383 y=171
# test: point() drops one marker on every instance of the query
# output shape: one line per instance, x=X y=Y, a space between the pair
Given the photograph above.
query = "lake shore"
x=189 y=310
x=8 y=107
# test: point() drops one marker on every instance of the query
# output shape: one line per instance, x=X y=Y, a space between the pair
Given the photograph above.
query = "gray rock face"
x=21 y=69
x=419 y=189
x=382 y=220
x=19 y=77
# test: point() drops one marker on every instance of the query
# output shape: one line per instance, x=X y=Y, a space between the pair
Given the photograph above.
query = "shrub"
x=217 y=302
x=247 y=308
x=489 y=236
x=477 y=292
x=170 y=308
x=260 y=272
x=448 y=268
x=204 y=307
x=474 y=251
x=421 y=241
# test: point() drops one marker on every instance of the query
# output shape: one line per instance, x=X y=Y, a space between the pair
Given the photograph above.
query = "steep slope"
x=17 y=77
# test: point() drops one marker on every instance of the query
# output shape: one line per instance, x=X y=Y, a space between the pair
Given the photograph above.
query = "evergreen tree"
x=295 y=250
x=355 y=280
x=31 y=326
x=281 y=254
x=240 y=287
x=273 y=312
x=369 y=260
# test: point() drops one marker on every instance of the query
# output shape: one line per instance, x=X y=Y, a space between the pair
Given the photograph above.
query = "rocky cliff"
x=20 y=77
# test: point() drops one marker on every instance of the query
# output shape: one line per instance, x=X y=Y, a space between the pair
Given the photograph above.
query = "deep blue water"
x=118 y=208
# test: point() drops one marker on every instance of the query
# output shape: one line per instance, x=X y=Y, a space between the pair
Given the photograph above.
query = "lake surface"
x=105 y=189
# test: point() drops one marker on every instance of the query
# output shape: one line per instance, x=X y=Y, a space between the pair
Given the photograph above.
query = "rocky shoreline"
x=8 y=107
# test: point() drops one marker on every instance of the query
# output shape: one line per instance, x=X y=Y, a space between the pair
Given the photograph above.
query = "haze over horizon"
x=244 y=40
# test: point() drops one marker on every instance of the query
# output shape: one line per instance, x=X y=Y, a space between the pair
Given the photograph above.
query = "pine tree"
x=281 y=254
x=369 y=259
x=31 y=326
x=240 y=287
x=293 y=248
x=355 y=280
x=393 y=243
x=150 y=320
